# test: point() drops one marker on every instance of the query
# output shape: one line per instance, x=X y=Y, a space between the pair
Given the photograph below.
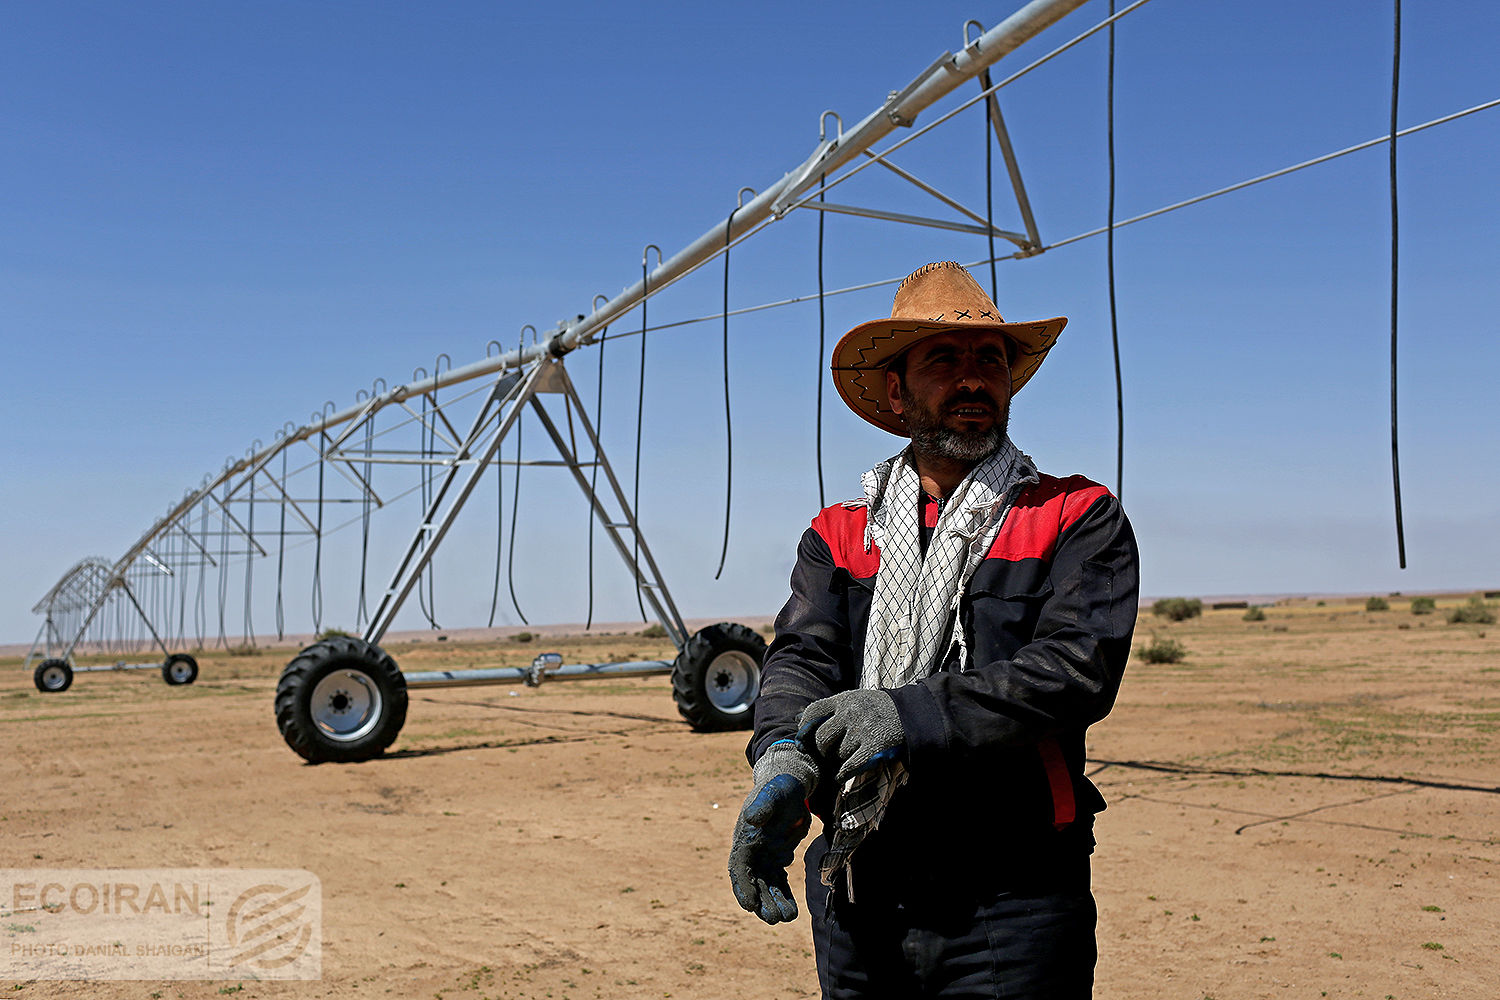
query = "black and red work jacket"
x=994 y=747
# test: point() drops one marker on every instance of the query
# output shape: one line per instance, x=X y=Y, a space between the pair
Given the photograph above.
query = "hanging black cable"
x=989 y=186
x=515 y=502
x=499 y=533
x=594 y=472
x=317 y=574
x=223 y=580
x=1395 y=273
x=430 y=570
x=1109 y=252
x=281 y=553
x=200 y=625
x=515 y=506
x=362 y=613
x=818 y=417
x=179 y=582
x=250 y=563
x=640 y=409
x=425 y=471
x=728 y=424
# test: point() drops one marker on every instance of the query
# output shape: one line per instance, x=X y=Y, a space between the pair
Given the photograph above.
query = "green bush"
x=334 y=633
x=522 y=637
x=654 y=631
x=1255 y=615
x=1377 y=604
x=1423 y=605
x=1164 y=651
x=1177 y=608
x=1476 y=612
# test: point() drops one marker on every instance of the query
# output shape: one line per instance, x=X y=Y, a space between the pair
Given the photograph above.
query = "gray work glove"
x=852 y=731
x=773 y=820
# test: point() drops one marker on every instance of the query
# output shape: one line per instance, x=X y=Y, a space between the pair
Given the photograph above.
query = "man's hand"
x=853 y=730
x=773 y=820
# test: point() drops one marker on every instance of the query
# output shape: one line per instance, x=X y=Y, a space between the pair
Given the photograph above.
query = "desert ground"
x=1303 y=806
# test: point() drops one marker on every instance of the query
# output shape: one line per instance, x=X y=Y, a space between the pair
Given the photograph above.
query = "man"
x=949 y=638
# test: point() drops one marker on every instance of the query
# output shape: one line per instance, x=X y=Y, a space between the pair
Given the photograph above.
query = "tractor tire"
x=179 y=668
x=716 y=677
x=340 y=700
x=52 y=676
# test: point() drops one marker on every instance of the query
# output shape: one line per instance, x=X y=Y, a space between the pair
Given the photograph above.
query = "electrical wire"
x=515 y=506
x=989 y=184
x=317 y=574
x=499 y=532
x=361 y=612
x=1395 y=274
x=728 y=425
x=640 y=407
x=249 y=631
x=1109 y=254
x=281 y=555
x=594 y=472
x=822 y=351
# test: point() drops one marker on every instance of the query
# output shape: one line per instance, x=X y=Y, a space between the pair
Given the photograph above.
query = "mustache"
x=967 y=397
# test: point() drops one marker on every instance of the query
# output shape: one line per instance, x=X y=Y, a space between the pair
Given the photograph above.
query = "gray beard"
x=930 y=437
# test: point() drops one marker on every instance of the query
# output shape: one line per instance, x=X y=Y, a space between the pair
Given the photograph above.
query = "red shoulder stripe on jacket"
x=843 y=530
x=1043 y=513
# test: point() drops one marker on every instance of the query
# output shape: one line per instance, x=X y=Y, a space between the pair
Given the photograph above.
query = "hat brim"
x=861 y=355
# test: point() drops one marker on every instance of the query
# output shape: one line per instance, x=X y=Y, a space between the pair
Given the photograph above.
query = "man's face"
x=955 y=395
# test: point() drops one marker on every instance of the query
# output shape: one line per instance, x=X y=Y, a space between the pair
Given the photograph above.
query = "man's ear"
x=893 y=390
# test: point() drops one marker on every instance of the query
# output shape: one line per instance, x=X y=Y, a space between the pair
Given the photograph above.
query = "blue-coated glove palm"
x=853 y=731
x=773 y=820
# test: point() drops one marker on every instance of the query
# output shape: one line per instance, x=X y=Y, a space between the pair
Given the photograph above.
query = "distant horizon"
x=485 y=633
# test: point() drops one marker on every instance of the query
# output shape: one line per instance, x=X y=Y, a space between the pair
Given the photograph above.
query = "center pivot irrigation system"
x=343 y=698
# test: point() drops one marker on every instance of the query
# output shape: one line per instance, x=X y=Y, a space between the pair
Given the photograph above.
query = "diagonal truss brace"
x=479 y=449
x=1029 y=242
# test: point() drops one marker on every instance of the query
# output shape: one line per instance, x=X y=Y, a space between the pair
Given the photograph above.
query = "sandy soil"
x=1307 y=806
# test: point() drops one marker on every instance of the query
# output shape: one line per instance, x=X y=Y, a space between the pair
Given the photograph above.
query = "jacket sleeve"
x=812 y=653
x=1065 y=678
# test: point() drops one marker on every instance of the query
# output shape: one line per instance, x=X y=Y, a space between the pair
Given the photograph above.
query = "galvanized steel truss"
x=216 y=524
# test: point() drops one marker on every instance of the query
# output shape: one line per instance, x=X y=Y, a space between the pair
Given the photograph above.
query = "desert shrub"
x=522 y=637
x=1423 y=605
x=654 y=631
x=1377 y=604
x=1163 y=651
x=1475 y=612
x=1177 y=608
x=1255 y=615
x=334 y=633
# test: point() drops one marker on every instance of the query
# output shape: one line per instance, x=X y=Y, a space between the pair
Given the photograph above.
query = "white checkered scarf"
x=914 y=621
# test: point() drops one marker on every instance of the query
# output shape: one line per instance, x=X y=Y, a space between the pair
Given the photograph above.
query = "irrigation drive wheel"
x=340 y=700
x=717 y=675
x=52 y=676
x=179 y=668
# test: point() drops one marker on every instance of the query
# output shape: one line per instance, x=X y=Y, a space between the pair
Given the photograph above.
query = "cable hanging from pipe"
x=728 y=424
x=1109 y=255
x=1395 y=274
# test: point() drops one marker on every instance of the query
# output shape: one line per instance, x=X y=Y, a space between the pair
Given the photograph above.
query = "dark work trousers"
x=1024 y=943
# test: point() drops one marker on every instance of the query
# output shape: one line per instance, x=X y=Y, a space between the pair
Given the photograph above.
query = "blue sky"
x=218 y=216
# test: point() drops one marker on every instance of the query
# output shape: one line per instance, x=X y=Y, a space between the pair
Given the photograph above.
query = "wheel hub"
x=346 y=705
x=733 y=681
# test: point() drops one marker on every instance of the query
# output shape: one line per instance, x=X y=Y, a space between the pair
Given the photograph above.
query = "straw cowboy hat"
x=935 y=298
